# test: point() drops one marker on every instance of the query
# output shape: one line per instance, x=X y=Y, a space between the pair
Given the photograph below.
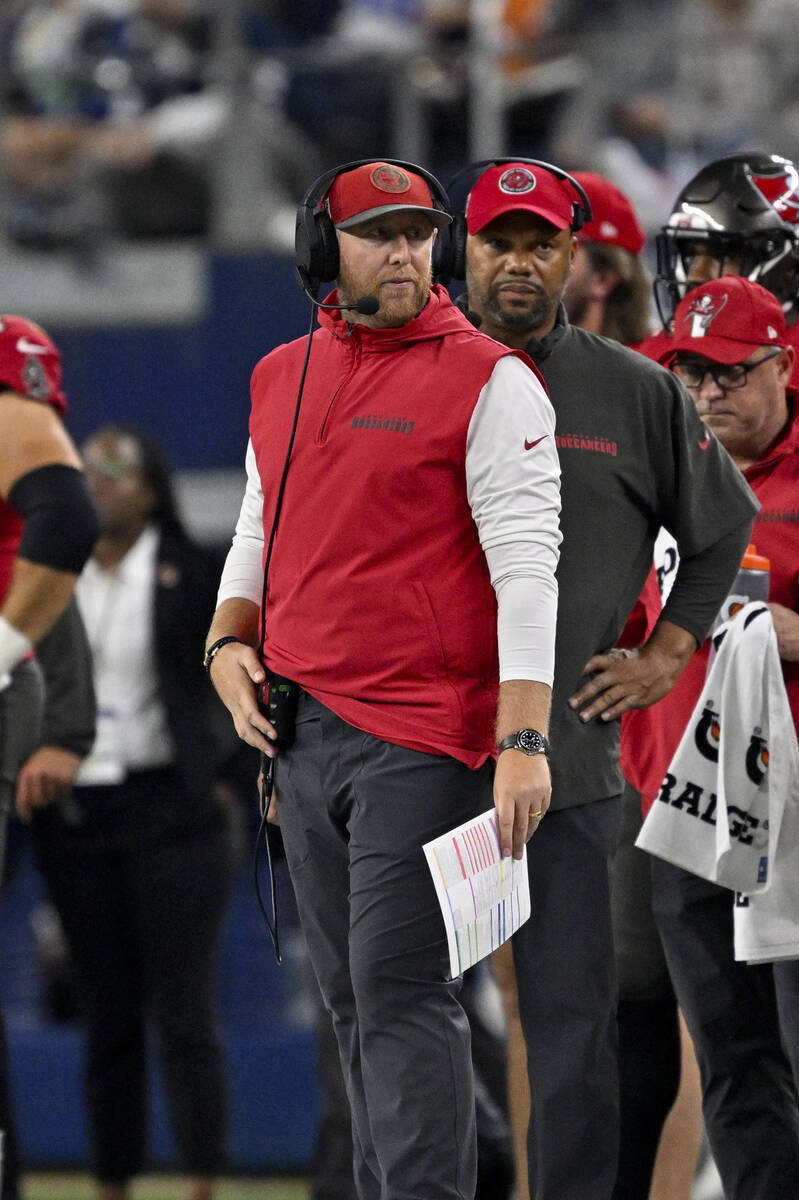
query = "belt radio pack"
x=278 y=701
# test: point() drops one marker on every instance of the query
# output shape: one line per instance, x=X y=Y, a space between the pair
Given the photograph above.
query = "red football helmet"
x=29 y=362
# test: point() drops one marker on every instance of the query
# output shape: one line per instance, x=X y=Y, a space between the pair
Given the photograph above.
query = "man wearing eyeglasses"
x=732 y=351
x=744 y=412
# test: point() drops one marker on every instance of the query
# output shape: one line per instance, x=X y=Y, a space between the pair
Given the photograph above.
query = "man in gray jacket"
x=634 y=456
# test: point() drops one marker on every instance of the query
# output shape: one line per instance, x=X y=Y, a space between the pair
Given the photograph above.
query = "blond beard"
x=393 y=312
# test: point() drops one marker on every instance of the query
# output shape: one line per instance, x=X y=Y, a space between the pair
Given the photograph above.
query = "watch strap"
x=512 y=742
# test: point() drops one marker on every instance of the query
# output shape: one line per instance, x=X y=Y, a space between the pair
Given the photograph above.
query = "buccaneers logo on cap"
x=37 y=385
x=516 y=180
x=390 y=179
x=702 y=311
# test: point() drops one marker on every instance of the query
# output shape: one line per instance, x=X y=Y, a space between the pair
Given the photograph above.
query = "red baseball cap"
x=30 y=364
x=377 y=188
x=514 y=187
x=726 y=320
x=614 y=218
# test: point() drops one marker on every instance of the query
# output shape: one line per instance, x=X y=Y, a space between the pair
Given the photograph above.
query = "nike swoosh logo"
x=529 y=445
x=26 y=347
x=703 y=445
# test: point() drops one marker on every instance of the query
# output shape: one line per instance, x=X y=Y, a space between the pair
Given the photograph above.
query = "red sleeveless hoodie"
x=379 y=600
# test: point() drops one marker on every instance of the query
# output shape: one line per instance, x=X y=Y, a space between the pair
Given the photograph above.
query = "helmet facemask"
x=768 y=258
x=743 y=212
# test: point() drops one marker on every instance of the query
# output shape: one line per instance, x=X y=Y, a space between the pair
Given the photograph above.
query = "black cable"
x=268 y=764
x=267 y=784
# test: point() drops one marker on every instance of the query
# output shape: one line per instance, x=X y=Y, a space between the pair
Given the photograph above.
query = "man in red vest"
x=410 y=600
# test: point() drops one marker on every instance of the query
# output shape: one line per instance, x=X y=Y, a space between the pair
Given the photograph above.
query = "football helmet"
x=30 y=363
x=743 y=211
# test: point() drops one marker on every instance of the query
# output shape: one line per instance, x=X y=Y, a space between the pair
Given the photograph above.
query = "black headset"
x=452 y=246
x=315 y=242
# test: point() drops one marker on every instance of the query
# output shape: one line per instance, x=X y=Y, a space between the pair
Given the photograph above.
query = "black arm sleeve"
x=60 y=524
x=69 y=709
x=703 y=582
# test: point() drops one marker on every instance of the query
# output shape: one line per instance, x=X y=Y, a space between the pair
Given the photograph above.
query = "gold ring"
x=537 y=815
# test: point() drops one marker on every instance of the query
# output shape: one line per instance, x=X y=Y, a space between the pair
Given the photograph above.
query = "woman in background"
x=137 y=858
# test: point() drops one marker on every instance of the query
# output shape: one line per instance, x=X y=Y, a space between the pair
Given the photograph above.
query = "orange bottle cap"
x=752 y=561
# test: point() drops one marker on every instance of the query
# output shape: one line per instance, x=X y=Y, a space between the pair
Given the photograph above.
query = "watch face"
x=531 y=741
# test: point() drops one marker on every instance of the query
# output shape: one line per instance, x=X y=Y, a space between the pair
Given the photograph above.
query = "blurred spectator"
x=261 y=168
x=677 y=83
x=416 y=61
x=608 y=290
x=137 y=857
x=110 y=118
x=343 y=82
x=725 y=75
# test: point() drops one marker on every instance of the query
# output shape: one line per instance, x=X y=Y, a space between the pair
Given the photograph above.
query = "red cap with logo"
x=614 y=218
x=726 y=320
x=514 y=187
x=30 y=364
x=377 y=188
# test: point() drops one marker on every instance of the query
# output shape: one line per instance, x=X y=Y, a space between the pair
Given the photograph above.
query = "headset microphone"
x=366 y=305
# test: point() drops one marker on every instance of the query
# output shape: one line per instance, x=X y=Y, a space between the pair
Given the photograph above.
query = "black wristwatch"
x=529 y=741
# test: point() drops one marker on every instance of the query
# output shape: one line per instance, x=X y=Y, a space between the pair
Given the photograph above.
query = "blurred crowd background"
x=141 y=119
x=152 y=154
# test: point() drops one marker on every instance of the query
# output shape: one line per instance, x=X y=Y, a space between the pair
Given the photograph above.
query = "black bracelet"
x=215 y=647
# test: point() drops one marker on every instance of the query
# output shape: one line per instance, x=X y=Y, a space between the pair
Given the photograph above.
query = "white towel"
x=767 y=923
x=720 y=808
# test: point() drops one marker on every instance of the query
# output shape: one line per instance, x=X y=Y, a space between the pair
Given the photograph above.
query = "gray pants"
x=733 y=1012
x=566 y=978
x=354 y=812
x=649 y=1030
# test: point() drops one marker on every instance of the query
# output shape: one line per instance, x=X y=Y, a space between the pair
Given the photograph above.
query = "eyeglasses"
x=729 y=378
x=108 y=468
